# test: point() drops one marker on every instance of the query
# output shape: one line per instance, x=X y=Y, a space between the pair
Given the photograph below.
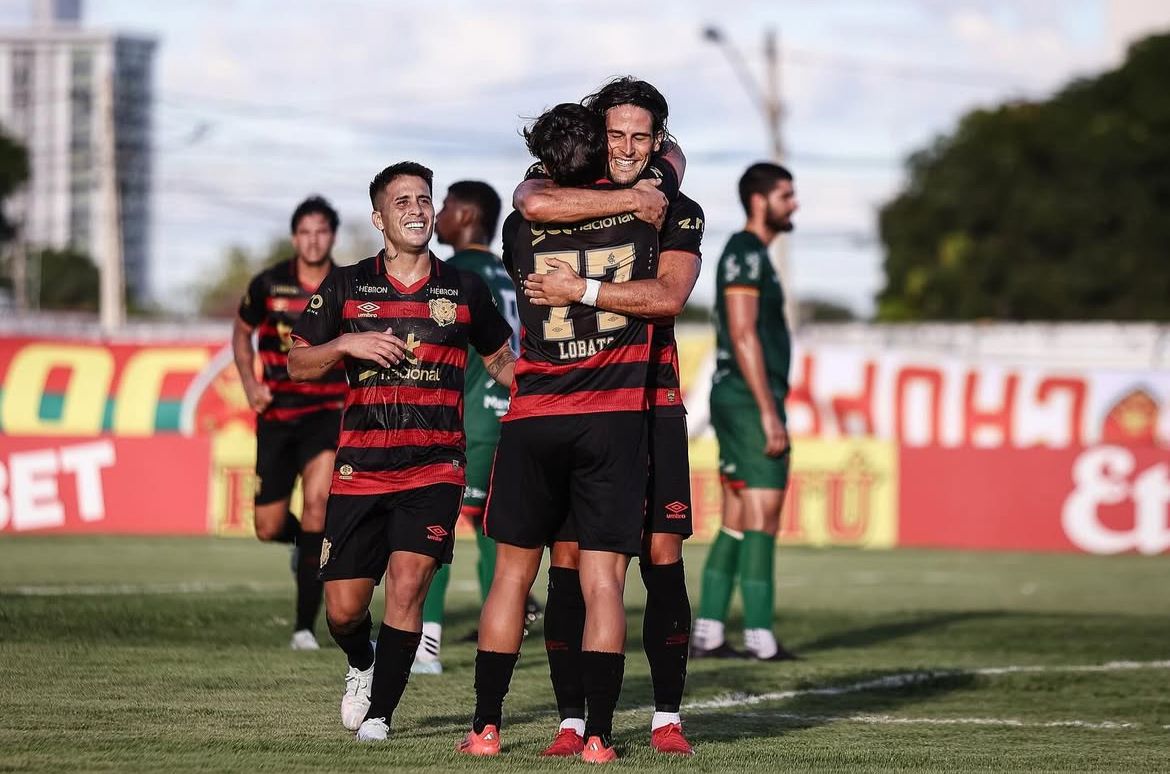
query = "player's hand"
x=775 y=436
x=651 y=203
x=383 y=348
x=561 y=286
x=259 y=397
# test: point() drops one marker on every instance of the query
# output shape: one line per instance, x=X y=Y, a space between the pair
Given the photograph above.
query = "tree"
x=13 y=174
x=63 y=280
x=220 y=297
x=1049 y=210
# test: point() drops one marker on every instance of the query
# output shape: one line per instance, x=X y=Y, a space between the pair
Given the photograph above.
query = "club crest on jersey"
x=316 y=301
x=325 y=546
x=345 y=472
x=442 y=310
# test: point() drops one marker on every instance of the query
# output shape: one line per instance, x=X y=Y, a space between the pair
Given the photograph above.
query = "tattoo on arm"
x=499 y=361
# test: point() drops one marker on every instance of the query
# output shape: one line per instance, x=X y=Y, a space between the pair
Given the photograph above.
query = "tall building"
x=76 y=99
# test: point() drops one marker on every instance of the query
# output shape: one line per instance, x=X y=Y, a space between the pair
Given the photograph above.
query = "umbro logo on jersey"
x=368 y=309
x=676 y=510
x=436 y=533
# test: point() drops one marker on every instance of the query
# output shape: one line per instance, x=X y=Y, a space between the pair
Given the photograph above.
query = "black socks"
x=395 y=654
x=310 y=590
x=493 y=675
x=603 y=674
x=564 y=625
x=354 y=641
x=666 y=632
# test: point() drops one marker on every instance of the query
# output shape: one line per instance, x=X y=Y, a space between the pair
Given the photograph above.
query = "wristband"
x=592 y=288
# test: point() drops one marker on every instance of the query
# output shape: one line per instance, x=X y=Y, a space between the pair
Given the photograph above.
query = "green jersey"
x=484 y=399
x=744 y=267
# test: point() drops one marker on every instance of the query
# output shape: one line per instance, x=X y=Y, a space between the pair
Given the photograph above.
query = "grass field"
x=171 y=655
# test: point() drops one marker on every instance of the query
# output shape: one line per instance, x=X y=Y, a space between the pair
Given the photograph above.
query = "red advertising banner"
x=155 y=485
x=1098 y=499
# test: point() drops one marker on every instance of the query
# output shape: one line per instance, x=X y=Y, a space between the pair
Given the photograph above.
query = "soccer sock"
x=395 y=654
x=666 y=632
x=493 y=675
x=564 y=625
x=603 y=673
x=290 y=530
x=719 y=578
x=756 y=561
x=354 y=641
x=310 y=589
x=436 y=599
x=487 y=562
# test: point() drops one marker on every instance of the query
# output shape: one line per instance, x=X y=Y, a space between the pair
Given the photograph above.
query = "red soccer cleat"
x=597 y=751
x=485 y=743
x=565 y=744
x=670 y=739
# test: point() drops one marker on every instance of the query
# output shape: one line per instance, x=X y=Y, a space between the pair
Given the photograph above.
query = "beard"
x=780 y=224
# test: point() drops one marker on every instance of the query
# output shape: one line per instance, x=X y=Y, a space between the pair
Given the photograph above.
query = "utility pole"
x=20 y=272
x=112 y=302
x=767 y=100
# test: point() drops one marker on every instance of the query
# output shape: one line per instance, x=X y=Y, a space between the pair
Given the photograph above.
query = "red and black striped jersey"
x=403 y=425
x=682 y=230
x=273 y=303
x=579 y=359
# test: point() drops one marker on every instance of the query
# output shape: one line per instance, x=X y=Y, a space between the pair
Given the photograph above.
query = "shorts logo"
x=442 y=310
x=259 y=484
x=325 y=546
x=676 y=510
x=345 y=472
x=368 y=309
x=316 y=301
x=436 y=533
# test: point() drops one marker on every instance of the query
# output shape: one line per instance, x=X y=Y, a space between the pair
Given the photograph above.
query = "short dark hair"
x=315 y=205
x=760 y=178
x=485 y=199
x=569 y=140
x=628 y=90
x=402 y=168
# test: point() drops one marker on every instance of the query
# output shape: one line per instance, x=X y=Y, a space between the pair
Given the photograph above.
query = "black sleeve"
x=253 y=306
x=683 y=228
x=661 y=169
x=536 y=172
x=508 y=236
x=321 y=320
x=489 y=330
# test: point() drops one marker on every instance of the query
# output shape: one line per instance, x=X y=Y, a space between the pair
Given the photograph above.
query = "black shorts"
x=284 y=448
x=361 y=531
x=592 y=465
x=668 y=489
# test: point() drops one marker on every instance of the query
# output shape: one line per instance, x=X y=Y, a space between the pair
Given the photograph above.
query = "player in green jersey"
x=467 y=222
x=747 y=412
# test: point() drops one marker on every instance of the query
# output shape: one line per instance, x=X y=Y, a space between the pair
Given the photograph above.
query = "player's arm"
x=663 y=296
x=257 y=392
x=501 y=365
x=312 y=361
x=543 y=201
x=743 y=307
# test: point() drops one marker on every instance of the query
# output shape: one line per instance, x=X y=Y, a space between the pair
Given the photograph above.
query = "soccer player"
x=574 y=439
x=467 y=222
x=401 y=323
x=296 y=422
x=747 y=413
x=636 y=116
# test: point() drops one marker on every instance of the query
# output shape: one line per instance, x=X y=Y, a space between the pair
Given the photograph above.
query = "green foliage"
x=825 y=310
x=64 y=280
x=13 y=174
x=171 y=654
x=219 y=296
x=1049 y=210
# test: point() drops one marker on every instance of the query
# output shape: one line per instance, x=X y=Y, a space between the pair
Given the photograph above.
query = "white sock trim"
x=577 y=724
x=731 y=533
x=707 y=633
x=661 y=719
x=429 y=645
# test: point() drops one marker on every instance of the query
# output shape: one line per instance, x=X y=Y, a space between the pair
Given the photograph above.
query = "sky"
x=262 y=102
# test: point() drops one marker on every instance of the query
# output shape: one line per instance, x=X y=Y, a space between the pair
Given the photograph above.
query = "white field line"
x=189 y=587
x=907 y=679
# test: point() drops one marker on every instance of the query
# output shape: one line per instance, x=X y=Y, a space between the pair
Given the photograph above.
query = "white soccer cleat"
x=426 y=666
x=373 y=730
x=303 y=639
x=355 y=702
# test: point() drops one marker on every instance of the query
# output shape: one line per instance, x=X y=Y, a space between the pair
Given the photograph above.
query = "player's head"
x=470 y=212
x=314 y=228
x=403 y=210
x=569 y=140
x=635 y=121
x=767 y=193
